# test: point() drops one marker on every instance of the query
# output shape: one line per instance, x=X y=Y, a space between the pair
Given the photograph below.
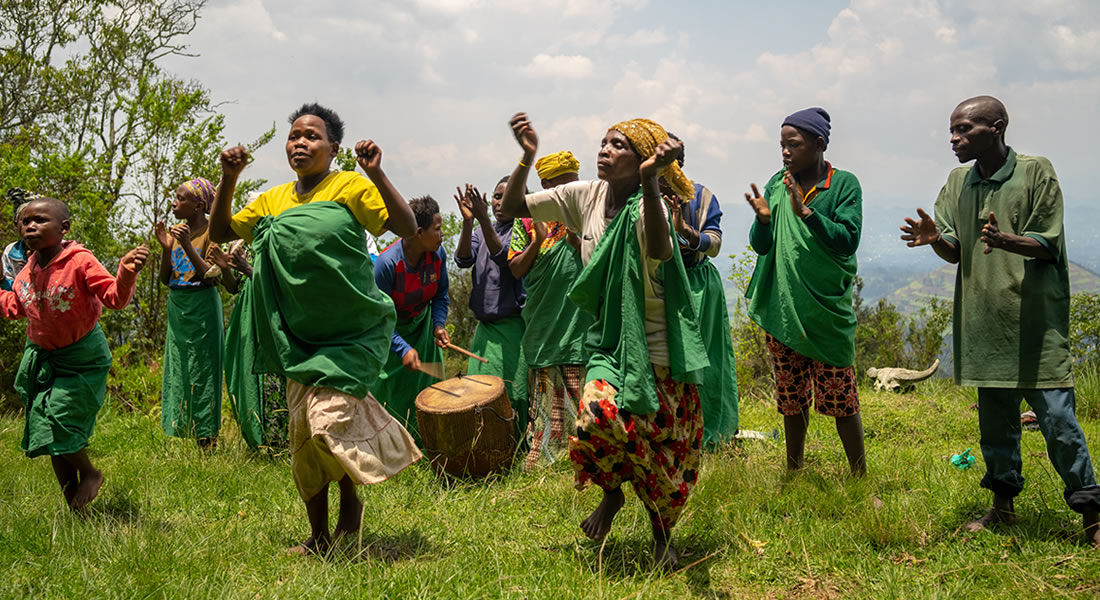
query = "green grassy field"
x=171 y=522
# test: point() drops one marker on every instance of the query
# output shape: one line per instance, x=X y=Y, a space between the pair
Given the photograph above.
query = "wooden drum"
x=467 y=425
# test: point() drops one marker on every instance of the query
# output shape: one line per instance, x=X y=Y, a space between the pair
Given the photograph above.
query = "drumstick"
x=466 y=352
x=433 y=369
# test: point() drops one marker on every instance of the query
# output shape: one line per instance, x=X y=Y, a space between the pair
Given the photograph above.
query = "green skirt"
x=62 y=391
x=191 y=389
x=398 y=387
x=501 y=342
x=718 y=392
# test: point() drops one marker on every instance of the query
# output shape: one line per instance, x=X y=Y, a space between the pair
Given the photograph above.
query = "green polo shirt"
x=1011 y=318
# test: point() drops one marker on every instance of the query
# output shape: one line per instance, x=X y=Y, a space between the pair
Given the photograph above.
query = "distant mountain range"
x=908 y=277
x=941 y=284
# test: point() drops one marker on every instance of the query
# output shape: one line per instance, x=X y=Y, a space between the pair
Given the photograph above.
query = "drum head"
x=460 y=394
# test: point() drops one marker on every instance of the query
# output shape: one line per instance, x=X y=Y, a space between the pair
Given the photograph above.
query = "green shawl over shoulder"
x=555 y=327
x=611 y=289
x=62 y=391
x=319 y=318
x=243 y=385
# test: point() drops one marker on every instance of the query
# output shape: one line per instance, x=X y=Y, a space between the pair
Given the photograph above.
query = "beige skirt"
x=333 y=434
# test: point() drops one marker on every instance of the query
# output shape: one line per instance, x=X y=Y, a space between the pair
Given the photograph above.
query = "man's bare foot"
x=87 y=490
x=598 y=524
x=1092 y=527
x=1002 y=512
x=312 y=545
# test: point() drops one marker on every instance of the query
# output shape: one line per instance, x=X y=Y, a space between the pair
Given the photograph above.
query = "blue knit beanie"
x=814 y=120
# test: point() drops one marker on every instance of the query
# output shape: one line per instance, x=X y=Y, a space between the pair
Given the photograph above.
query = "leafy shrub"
x=134 y=381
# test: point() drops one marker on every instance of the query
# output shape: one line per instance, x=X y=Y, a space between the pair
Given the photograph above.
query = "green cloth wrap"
x=62 y=390
x=243 y=385
x=611 y=289
x=718 y=393
x=555 y=326
x=191 y=388
x=397 y=386
x=318 y=316
x=801 y=290
x=499 y=342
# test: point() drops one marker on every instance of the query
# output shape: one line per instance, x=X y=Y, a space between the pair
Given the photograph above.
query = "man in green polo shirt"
x=1001 y=222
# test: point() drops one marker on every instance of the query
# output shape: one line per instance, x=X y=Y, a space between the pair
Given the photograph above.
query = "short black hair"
x=334 y=125
x=505 y=180
x=987 y=109
x=58 y=207
x=425 y=208
x=683 y=148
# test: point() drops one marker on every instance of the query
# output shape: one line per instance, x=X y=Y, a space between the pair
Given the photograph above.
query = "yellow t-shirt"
x=346 y=187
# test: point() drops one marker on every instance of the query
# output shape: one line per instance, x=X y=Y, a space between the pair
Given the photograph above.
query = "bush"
x=887 y=338
x=1084 y=328
x=755 y=378
x=134 y=381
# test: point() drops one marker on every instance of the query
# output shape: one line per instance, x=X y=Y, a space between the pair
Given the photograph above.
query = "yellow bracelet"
x=523 y=165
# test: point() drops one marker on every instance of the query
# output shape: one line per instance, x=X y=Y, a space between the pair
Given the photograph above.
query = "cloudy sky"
x=435 y=81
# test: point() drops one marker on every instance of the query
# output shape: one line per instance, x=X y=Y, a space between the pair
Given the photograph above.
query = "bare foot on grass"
x=666 y=557
x=1092 y=527
x=87 y=490
x=312 y=545
x=994 y=516
x=598 y=524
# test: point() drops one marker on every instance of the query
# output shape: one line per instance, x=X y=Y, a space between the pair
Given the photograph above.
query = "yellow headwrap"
x=558 y=163
x=646 y=135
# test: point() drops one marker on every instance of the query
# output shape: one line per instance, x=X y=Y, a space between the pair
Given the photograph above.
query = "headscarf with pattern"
x=203 y=192
x=557 y=164
x=645 y=136
x=20 y=198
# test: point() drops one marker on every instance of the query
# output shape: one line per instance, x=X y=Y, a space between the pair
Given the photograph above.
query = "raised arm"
x=924 y=233
x=760 y=234
x=225 y=265
x=116 y=292
x=658 y=236
x=513 y=203
x=521 y=263
x=479 y=204
x=401 y=220
x=233 y=160
x=464 y=252
x=165 y=240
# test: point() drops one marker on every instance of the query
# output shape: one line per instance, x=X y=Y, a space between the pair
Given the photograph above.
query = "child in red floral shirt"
x=63 y=375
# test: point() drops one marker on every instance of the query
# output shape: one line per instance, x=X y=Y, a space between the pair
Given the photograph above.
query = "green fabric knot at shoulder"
x=319 y=318
x=611 y=289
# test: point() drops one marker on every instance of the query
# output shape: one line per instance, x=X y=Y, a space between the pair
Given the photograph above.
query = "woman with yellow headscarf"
x=639 y=419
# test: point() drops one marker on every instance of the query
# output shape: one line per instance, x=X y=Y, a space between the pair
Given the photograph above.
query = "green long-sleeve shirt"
x=801 y=289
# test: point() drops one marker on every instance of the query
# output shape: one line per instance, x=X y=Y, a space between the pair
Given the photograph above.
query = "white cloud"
x=247 y=14
x=435 y=82
x=559 y=66
x=641 y=38
x=1079 y=53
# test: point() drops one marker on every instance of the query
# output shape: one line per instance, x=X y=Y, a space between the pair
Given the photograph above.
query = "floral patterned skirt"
x=557 y=392
x=657 y=453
